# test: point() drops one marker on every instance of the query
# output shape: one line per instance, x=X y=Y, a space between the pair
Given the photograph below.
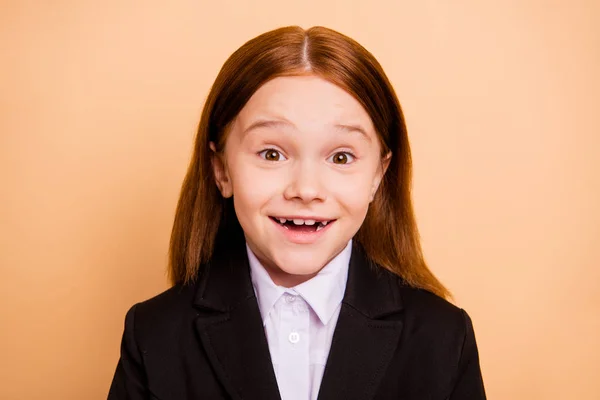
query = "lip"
x=316 y=219
x=299 y=237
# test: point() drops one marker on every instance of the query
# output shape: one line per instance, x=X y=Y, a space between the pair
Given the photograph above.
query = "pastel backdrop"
x=98 y=107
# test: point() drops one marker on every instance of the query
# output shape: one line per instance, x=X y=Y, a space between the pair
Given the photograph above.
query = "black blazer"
x=206 y=341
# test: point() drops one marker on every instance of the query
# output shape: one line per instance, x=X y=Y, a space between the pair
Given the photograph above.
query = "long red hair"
x=389 y=234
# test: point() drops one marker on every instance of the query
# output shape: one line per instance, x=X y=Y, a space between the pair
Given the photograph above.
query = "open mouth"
x=302 y=225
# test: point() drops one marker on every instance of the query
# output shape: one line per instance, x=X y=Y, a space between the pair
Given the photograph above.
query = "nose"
x=305 y=184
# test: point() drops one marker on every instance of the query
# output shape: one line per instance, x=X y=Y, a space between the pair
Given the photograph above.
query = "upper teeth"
x=302 y=221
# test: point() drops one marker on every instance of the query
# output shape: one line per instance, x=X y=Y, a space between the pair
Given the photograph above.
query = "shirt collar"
x=324 y=292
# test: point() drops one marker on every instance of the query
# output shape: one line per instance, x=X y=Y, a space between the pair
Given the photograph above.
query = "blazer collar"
x=224 y=282
x=230 y=328
x=371 y=289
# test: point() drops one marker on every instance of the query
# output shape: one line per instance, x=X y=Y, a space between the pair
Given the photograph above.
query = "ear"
x=383 y=166
x=221 y=173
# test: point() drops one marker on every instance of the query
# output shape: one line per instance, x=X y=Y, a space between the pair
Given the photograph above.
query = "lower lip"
x=302 y=237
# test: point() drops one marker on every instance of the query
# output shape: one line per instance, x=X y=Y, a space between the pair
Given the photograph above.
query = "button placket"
x=293 y=366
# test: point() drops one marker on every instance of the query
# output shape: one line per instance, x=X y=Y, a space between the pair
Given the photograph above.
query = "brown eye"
x=271 y=155
x=342 y=158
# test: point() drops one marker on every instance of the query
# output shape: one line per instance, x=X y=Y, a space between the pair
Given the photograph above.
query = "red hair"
x=389 y=234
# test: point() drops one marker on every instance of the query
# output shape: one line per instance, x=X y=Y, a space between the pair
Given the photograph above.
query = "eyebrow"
x=268 y=123
x=353 y=128
x=279 y=122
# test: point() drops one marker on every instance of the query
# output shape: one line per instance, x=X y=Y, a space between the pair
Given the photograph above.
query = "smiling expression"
x=302 y=162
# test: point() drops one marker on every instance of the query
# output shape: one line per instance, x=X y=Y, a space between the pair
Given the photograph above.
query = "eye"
x=342 y=157
x=271 y=155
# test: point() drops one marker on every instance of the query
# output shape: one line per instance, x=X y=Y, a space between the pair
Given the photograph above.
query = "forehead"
x=307 y=101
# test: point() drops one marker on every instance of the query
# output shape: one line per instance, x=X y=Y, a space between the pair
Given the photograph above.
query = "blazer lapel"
x=367 y=332
x=230 y=327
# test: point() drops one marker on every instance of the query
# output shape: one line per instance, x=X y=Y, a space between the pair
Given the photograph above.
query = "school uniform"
x=299 y=323
x=212 y=339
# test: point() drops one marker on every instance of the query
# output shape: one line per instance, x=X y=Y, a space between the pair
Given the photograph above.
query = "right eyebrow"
x=268 y=123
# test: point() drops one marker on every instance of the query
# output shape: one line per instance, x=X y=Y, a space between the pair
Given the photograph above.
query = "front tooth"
x=298 y=222
x=282 y=220
x=309 y=221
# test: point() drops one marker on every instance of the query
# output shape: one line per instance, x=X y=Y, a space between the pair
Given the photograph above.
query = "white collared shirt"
x=299 y=323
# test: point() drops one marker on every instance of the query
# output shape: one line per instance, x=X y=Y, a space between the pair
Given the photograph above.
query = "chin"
x=301 y=270
x=301 y=264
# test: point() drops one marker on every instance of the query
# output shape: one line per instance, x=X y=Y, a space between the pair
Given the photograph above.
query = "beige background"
x=98 y=106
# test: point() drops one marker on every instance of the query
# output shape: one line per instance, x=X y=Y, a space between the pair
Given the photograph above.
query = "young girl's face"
x=302 y=162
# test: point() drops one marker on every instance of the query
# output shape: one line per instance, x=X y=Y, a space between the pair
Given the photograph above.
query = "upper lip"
x=312 y=218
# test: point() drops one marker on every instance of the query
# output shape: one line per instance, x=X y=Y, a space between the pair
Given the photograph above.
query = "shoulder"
x=160 y=312
x=439 y=343
x=434 y=314
x=168 y=301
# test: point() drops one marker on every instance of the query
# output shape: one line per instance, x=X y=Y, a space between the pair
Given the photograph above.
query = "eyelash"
x=262 y=154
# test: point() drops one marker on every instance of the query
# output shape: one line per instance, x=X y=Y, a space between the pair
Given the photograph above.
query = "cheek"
x=353 y=193
x=252 y=190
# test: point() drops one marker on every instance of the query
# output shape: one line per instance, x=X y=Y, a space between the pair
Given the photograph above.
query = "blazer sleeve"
x=469 y=382
x=130 y=381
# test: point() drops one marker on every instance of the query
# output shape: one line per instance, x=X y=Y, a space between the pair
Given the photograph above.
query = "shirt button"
x=294 y=337
x=289 y=298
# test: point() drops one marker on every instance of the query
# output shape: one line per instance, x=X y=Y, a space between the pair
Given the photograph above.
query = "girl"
x=294 y=256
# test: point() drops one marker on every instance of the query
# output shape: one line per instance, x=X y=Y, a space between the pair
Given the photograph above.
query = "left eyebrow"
x=353 y=128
